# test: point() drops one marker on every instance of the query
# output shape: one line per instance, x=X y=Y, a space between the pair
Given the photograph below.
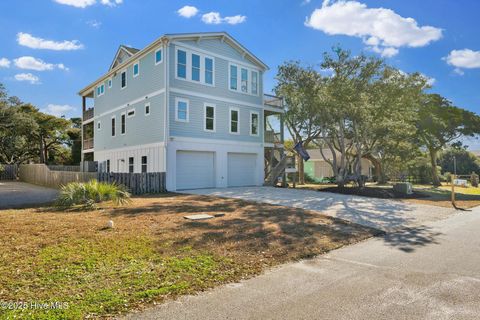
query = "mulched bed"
x=382 y=193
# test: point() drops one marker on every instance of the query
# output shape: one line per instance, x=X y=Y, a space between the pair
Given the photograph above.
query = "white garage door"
x=195 y=170
x=241 y=169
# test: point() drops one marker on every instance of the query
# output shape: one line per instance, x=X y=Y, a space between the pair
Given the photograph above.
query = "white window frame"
x=199 y=67
x=247 y=71
x=251 y=82
x=126 y=79
x=258 y=124
x=121 y=125
x=100 y=91
x=110 y=82
x=189 y=65
x=133 y=164
x=133 y=115
x=205 y=105
x=149 y=109
x=142 y=164
x=99 y=125
x=177 y=100
x=239 y=79
x=114 y=127
x=133 y=69
x=230 y=120
x=161 y=56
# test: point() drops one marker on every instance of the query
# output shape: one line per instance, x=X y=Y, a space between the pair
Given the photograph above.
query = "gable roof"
x=125 y=51
x=136 y=53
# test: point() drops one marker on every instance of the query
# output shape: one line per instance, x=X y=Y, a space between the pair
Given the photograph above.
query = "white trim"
x=216 y=141
x=88 y=150
x=121 y=124
x=126 y=81
x=251 y=82
x=186 y=46
x=212 y=97
x=110 y=82
x=99 y=125
x=88 y=121
x=135 y=147
x=155 y=56
x=137 y=63
x=212 y=105
x=258 y=123
x=230 y=120
x=145 y=109
x=114 y=117
x=102 y=92
x=177 y=100
x=130 y=110
x=189 y=66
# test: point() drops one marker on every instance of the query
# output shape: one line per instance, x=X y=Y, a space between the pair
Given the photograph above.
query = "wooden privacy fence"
x=137 y=183
x=64 y=168
x=9 y=171
x=40 y=174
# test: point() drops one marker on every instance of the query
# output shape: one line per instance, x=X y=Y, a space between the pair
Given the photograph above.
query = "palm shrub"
x=87 y=195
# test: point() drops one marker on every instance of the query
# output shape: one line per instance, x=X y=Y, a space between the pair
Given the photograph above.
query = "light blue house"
x=190 y=105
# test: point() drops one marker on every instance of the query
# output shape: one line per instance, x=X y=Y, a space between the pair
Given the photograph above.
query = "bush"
x=2 y=169
x=87 y=195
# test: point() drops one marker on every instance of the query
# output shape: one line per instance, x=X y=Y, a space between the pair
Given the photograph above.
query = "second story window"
x=123 y=79
x=254 y=123
x=195 y=67
x=123 y=124
x=100 y=90
x=244 y=84
x=181 y=64
x=113 y=126
x=209 y=117
x=131 y=164
x=233 y=77
x=136 y=69
x=181 y=110
x=254 y=82
x=109 y=83
x=158 y=56
x=208 y=71
x=234 y=120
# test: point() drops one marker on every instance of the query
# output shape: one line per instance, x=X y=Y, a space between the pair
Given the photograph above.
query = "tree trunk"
x=381 y=178
x=41 y=151
x=301 y=171
x=433 y=161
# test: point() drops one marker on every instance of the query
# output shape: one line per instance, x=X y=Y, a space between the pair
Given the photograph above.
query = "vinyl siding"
x=150 y=79
x=140 y=129
x=195 y=127
x=221 y=73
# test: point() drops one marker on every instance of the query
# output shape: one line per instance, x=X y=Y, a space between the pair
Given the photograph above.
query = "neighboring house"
x=318 y=168
x=190 y=105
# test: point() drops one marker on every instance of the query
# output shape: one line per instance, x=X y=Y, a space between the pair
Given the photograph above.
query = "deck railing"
x=87 y=144
x=88 y=114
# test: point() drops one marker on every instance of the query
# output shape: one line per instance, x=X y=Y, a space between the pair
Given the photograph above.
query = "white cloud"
x=466 y=59
x=4 y=63
x=94 y=23
x=31 y=63
x=86 y=3
x=76 y=3
x=27 y=40
x=305 y=2
x=187 y=11
x=216 y=18
x=383 y=30
x=27 y=77
x=58 y=110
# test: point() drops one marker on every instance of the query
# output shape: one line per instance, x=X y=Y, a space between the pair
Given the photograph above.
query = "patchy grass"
x=153 y=253
x=465 y=197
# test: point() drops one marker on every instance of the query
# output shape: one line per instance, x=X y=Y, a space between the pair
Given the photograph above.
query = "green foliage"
x=87 y=195
x=420 y=169
x=466 y=162
x=2 y=169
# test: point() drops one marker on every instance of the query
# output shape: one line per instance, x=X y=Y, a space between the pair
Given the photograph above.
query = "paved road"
x=383 y=214
x=433 y=275
x=21 y=195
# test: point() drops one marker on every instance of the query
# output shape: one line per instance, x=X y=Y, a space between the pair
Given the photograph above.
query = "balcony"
x=87 y=144
x=272 y=137
x=88 y=114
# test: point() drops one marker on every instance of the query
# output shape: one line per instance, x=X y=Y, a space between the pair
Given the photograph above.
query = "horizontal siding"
x=155 y=159
x=150 y=79
x=220 y=73
x=194 y=128
x=140 y=129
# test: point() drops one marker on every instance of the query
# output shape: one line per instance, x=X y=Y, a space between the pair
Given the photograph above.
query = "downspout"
x=167 y=89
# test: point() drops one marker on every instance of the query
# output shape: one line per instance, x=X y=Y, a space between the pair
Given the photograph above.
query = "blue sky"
x=53 y=48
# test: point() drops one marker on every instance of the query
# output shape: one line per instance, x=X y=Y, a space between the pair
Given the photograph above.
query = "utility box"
x=403 y=188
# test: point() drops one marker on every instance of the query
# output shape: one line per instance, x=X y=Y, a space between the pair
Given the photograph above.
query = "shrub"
x=2 y=168
x=87 y=195
x=474 y=179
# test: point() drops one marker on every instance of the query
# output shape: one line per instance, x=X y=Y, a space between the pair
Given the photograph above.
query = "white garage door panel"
x=195 y=170
x=241 y=169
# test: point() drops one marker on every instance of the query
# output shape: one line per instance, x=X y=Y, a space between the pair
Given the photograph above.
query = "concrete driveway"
x=383 y=214
x=20 y=195
x=436 y=278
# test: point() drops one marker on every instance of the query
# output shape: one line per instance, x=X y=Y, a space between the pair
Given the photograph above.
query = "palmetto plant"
x=87 y=195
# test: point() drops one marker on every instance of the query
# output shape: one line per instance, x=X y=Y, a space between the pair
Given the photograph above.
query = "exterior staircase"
x=271 y=177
